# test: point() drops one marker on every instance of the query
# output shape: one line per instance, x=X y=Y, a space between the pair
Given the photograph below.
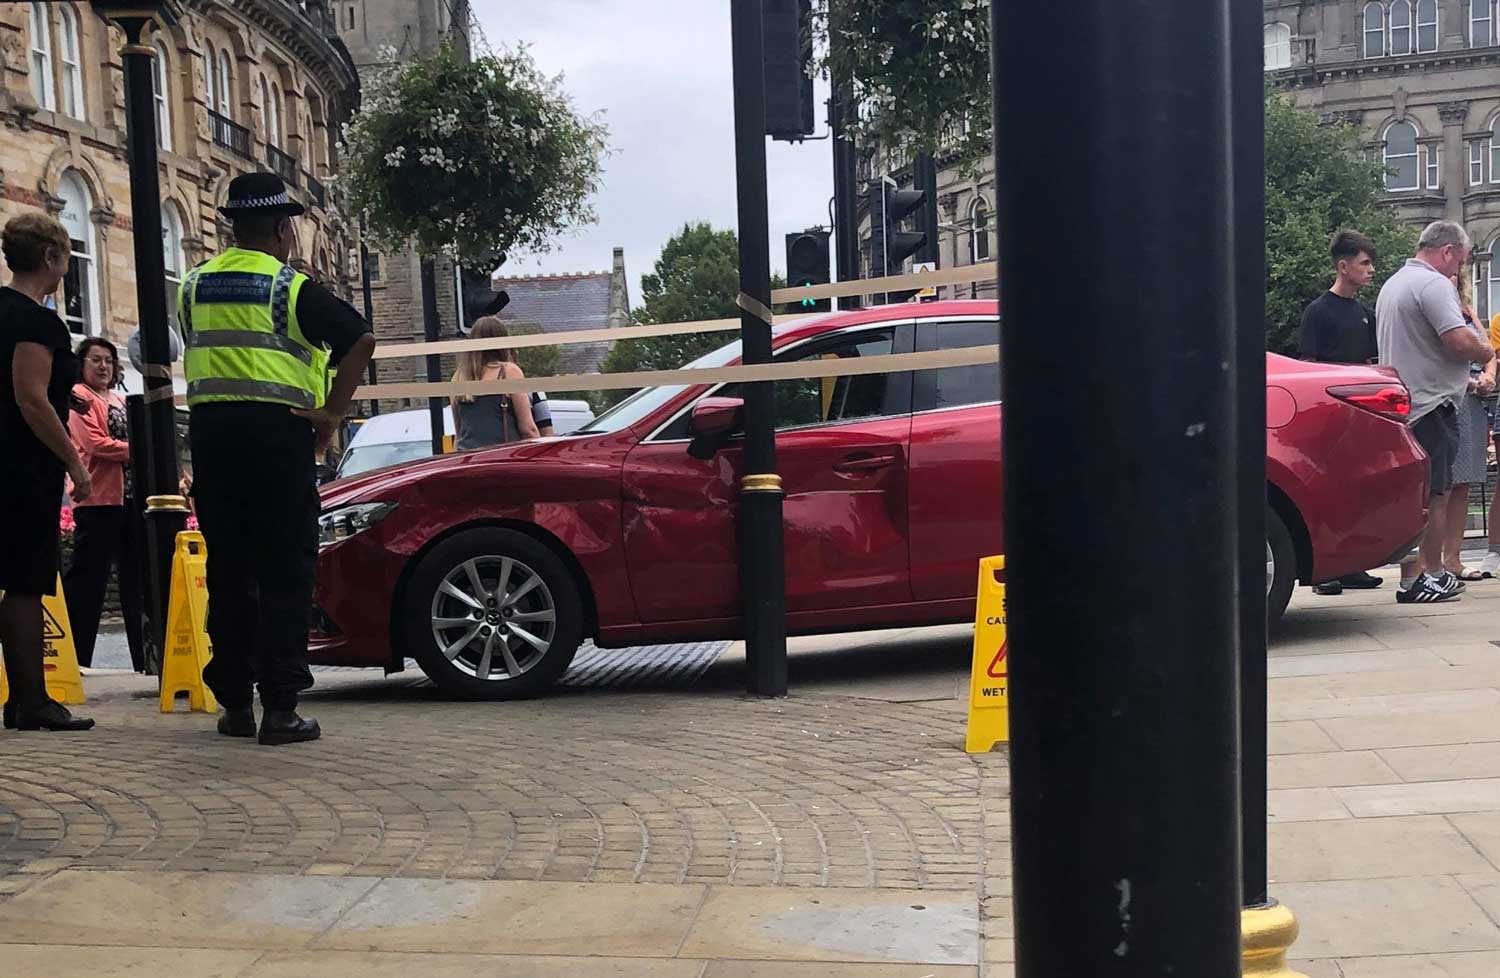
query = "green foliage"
x=920 y=71
x=469 y=158
x=535 y=361
x=1318 y=181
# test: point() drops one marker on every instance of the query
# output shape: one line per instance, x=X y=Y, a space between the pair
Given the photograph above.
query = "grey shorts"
x=1437 y=433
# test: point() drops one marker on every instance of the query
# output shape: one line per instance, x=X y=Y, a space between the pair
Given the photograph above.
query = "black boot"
x=50 y=715
x=10 y=714
x=286 y=727
x=237 y=722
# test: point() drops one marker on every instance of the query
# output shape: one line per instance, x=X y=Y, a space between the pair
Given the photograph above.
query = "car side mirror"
x=711 y=422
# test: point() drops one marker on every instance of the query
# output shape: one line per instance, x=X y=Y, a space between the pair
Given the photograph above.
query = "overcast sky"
x=660 y=73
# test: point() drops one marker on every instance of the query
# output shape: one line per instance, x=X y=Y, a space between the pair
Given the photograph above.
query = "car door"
x=956 y=483
x=841 y=446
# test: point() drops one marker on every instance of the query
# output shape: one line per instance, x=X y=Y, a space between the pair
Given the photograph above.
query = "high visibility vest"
x=239 y=318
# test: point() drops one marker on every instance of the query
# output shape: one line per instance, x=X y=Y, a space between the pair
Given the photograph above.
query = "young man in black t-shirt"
x=1338 y=328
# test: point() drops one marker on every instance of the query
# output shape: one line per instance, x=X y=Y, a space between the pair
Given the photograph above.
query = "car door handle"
x=865 y=463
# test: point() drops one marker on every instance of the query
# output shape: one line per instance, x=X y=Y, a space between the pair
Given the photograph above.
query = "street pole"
x=762 y=572
x=1124 y=719
x=1247 y=91
x=166 y=510
x=430 y=330
x=845 y=228
x=924 y=178
x=364 y=288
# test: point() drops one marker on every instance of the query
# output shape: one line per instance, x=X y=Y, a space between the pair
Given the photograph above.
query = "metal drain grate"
x=645 y=667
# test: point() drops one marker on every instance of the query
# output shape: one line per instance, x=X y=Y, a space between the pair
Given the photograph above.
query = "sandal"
x=1468 y=574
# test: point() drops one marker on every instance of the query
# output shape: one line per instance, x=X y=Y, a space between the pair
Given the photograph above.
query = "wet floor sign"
x=188 y=649
x=989 y=688
x=59 y=657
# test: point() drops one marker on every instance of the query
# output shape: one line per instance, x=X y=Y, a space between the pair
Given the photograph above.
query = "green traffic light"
x=808 y=303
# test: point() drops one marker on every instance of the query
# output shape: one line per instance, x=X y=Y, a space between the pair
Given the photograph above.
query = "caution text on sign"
x=989 y=679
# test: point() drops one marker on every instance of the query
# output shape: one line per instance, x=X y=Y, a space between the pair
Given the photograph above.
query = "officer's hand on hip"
x=325 y=423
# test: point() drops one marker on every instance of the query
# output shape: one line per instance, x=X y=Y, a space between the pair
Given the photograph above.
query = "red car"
x=489 y=568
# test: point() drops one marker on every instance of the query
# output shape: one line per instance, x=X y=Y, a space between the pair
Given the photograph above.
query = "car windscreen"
x=365 y=458
x=647 y=400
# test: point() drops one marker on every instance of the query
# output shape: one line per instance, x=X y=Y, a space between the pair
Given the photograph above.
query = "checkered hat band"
x=248 y=202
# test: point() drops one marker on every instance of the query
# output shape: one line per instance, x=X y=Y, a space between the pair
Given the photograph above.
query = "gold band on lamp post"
x=166 y=504
x=760 y=483
x=1266 y=935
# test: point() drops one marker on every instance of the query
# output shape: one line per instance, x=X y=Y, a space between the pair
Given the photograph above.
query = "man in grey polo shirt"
x=1420 y=329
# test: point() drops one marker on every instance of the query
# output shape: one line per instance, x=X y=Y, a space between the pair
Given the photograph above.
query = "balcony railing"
x=229 y=135
x=316 y=189
x=282 y=165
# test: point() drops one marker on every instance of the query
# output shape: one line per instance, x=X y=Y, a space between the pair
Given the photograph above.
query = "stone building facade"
x=379 y=33
x=567 y=302
x=241 y=85
x=1421 y=78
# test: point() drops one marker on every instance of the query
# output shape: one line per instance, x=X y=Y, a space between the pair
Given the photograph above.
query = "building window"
x=42 y=87
x=1427 y=25
x=1374 y=30
x=979 y=231
x=173 y=260
x=1278 y=46
x=226 y=85
x=1494 y=279
x=349 y=17
x=1476 y=163
x=69 y=49
x=1482 y=15
x=372 y=266
x=81 y=283
x=1401 y=156
x=163 y=95
x=1432 y=157
x=1401 y=27
x=270 y=101
x=1494 y=142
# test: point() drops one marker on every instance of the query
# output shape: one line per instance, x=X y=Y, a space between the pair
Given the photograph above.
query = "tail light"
x=1388 y=400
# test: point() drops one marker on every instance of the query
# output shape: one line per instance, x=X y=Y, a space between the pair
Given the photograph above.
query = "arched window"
x=269 y=103
x=211 y=73
x=226 y=85
x=1427 y=25
x=979 y=231
x=172 y=256
x=1401 y=157
x=1401 y=27
x=81 y=284
x=1374 y=30
x=1494 y=279
x=160 y=74
x=276 y=126
x=1278 y=45
x=69 y=52
x=1481 y=23
x=42 y=86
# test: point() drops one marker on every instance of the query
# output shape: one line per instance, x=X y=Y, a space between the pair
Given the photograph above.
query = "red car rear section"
x=489 y=567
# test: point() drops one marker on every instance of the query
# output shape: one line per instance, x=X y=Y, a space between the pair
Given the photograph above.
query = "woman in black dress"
x=37 y=371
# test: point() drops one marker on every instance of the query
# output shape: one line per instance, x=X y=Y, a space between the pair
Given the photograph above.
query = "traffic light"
x=788 y=55
x=807 y=264
x=890 y=246
x=479 y=299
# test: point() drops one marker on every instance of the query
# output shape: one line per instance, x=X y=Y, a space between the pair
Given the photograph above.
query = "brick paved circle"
x=815 y=790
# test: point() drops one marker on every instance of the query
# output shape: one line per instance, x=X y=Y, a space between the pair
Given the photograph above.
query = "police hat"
x=259 y=193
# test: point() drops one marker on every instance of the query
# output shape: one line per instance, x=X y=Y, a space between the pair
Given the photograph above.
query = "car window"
x=365 y=458
x=957 y=386
x=822 y=400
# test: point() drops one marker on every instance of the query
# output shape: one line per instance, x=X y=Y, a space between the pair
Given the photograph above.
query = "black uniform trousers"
x=255 y=493
x=104 y=536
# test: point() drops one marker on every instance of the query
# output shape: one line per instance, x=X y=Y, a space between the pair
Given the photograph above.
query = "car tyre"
x=439 y=613
x=1282 y=569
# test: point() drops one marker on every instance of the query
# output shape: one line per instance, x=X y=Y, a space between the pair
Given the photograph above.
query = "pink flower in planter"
x=192 y=522
x=65 y=521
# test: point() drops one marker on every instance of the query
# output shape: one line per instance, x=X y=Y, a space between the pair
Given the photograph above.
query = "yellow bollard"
x=59 y=657
x=989 y=678
x=1266 y=934
x=188 y=649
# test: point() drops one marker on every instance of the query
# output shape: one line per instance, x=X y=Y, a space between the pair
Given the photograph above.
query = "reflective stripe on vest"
x=239 y=311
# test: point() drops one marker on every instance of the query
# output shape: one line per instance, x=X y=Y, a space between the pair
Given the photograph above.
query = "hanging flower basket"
x=470 y=158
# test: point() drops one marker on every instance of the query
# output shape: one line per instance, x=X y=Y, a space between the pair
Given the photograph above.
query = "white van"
x=405 y=436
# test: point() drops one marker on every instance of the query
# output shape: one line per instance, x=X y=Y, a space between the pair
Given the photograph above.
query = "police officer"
x=261 y=338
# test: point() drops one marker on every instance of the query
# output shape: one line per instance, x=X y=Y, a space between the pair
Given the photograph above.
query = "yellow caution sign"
x=59 y=657
x=989 y=683
x=188 y=649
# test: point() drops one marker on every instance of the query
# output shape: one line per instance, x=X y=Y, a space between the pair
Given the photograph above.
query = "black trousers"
x=103 y=538
x=255 y=494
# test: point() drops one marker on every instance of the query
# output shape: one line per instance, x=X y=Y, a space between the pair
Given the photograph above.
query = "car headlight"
x=338 y=525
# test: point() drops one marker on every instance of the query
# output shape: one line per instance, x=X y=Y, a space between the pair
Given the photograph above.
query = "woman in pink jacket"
x=103 y=535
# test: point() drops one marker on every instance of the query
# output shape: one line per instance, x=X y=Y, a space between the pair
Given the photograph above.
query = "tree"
x=535 y=361
x=1318 y=181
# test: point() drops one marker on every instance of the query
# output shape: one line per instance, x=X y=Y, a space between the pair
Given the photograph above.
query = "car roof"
x=805 y=326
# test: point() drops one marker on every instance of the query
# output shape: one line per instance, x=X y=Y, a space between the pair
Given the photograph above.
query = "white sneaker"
x=1490 y=566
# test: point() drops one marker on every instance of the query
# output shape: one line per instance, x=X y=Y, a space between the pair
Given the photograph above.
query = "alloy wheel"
x=493 y=617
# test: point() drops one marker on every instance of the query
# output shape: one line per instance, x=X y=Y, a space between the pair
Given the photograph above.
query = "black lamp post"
x=166 y=511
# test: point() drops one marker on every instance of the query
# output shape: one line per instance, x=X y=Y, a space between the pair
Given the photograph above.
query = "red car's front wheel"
x=492 y=614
